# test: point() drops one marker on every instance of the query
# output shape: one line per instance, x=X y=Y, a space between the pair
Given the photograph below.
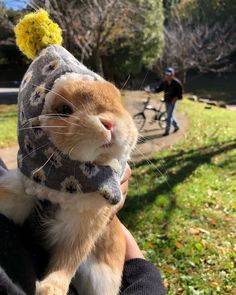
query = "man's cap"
x=169 y=71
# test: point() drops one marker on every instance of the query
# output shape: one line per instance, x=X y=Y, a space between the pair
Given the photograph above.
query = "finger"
x=124 y=188
x=127 y=174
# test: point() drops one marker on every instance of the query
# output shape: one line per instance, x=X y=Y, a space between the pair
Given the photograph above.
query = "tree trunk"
x=98 y=62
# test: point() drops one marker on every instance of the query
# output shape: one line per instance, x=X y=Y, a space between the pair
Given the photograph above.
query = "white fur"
x=69 y=222
x=50 y=97
x=97 y=278
x=17 y=205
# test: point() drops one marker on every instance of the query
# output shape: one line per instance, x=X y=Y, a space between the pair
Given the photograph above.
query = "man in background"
x=173 y=90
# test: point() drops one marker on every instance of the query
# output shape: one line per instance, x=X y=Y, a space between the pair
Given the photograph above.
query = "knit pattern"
x=38 y=158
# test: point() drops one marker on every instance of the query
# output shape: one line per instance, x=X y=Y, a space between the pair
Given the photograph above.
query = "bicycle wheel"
x=139 y=120
x=162 y=120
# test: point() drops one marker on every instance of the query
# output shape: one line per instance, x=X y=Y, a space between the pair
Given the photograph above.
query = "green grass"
x=8 y=122
x=181 y=207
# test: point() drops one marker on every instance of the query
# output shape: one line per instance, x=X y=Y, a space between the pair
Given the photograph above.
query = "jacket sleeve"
x=15 y=261
x=179 y=91
x=141 y=277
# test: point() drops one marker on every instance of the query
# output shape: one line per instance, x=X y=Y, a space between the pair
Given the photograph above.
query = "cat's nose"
x=108 y=125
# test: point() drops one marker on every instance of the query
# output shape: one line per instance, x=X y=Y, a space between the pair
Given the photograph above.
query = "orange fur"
x=86 y=237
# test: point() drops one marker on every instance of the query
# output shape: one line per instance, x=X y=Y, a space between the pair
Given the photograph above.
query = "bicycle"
x=159 y=115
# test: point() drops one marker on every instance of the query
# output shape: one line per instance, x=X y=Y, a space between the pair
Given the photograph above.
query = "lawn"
x=181 y=206
x=8 y=124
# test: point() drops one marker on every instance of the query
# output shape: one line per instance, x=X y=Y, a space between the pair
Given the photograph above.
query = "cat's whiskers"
x=41 y=126
x=64 y=133
x=158 y=171
x=34 y=150
x=49 y=115
x=54 y=92
x=71 y=150
x=49 y=158
x=143 y=137
x=81 y=123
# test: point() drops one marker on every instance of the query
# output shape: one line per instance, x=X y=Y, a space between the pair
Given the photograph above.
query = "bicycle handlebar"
x=146 y=102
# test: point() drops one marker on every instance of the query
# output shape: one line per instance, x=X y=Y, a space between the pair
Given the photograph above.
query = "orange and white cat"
x=90 y=124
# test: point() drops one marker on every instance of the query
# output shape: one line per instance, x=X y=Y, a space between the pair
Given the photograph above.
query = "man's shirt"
x=174 y=89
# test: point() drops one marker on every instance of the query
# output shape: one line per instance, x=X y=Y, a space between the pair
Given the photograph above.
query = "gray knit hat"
x=38 y=157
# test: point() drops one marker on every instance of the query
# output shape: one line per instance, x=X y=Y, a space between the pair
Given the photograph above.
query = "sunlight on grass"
x=184 y=218
x=8 y=122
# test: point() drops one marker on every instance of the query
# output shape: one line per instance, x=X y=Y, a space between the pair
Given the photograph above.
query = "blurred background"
x=132 y=40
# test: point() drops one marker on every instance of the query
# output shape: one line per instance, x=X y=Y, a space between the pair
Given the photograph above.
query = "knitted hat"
x=38 y=158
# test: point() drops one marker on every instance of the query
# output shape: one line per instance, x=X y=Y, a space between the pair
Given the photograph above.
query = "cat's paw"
x=46 y=288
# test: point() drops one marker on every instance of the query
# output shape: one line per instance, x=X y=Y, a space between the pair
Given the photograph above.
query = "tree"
x=169 y=5
x=90 y=25
x=194 y=42
x=98 y=30
x=9 y=53
x=150 y=33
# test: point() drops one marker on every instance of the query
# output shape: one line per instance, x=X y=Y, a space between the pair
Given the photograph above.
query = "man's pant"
x=170 y=107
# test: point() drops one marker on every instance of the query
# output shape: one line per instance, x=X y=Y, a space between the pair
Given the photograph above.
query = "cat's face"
x=86 y=121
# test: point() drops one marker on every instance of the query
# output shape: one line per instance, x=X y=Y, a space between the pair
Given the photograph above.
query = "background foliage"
x=125 y=38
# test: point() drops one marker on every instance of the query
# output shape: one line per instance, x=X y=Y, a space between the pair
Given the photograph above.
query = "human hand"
x=132 y=248
x=125 y=181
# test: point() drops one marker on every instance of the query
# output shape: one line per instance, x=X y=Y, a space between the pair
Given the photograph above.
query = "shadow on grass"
x=144 y=139
x=178 y=167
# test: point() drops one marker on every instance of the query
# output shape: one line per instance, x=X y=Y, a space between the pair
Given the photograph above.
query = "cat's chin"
x=102 y=156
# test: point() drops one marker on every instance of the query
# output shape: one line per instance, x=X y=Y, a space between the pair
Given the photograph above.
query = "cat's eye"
x=64 y=110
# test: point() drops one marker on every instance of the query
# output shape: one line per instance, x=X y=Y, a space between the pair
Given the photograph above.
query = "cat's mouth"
x=108 y=145
x=110 y=142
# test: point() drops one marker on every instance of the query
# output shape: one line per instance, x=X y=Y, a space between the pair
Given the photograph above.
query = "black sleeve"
x=16 y=271
x=141 y=277
x=22 y=260
x=179 y=90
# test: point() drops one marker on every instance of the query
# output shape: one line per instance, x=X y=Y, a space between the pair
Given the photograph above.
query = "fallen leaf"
x=178 y=244
x=215 y=285
x=217 y=206
x=193 y=231
x=169 y=269
x=233 y=235
x=212 y=221
x=197 y=231
x=203 y=231
x=166 y=284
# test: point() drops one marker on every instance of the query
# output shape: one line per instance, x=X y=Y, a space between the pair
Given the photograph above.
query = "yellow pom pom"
x=36 y=31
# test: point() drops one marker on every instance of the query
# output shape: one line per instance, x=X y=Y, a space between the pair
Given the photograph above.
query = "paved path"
x=8 y=155
x=152 y=141
x=8 y=95
x=8 y=90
